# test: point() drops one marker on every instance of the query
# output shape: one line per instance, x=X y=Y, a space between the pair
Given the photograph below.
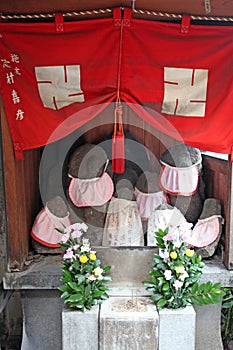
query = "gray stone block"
x=41 y=320
x=177 y=328
x=127 y=324
x=80 y=330
x=208 y=332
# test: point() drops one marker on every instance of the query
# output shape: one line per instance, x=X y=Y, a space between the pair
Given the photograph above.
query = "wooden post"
x=21 y=180
x=229 y=234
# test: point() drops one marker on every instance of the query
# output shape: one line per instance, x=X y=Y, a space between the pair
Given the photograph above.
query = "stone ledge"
x=46 y=274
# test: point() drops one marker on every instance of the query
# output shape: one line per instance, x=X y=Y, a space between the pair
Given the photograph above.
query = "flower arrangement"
x=175 y=274
x=84 y=278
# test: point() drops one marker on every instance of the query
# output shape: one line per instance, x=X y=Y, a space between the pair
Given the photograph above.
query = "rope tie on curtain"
x=118 y=150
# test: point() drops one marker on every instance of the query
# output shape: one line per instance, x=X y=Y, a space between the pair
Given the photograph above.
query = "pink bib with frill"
x=148 y=202
x=205 y=231
x=91 y=192
x=179 y=181
x=44 y=228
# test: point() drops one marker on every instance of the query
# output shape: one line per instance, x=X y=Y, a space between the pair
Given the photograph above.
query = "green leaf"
x=195 y=288
x=63 y=288
x=75 y=298
x=160 y=241
x=87 y=290
x=72 y=285
x=65 y=295
x=97 y=294
x=227 y=305
x=156 y=297
x=107 y=268
x=196 y=300
x=208 y=287
x=165 y=287
x=162 y=302
x=148 y=284
x=67 y=277
x=80 y=278
x=157 y=259
x=106 y=279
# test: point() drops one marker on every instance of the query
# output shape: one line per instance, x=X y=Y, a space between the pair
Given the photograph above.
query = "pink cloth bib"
x=205 y=231
x=44 y=228
x=179 y=181
x=91 y=192
x=148 y=202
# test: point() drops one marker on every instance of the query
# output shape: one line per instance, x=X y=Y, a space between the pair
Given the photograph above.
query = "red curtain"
x=180 y=83
x=49 y=75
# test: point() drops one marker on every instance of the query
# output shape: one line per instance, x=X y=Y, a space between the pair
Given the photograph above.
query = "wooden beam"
x=197 y=7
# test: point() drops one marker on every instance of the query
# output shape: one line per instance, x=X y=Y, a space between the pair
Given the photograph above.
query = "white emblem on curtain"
x=59 y=86
x=185 y=91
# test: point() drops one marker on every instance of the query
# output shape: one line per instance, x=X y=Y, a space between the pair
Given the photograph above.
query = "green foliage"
x=175 y=274
x=83 y=277
x=227 y=317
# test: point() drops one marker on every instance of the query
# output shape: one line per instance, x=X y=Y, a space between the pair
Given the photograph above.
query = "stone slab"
x=128 y=323
x=46 y=273
x=80 y=330
x=177 y=328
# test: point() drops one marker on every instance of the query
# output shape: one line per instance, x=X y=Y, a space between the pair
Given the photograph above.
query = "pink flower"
x=69 y=254
x=92 y=277
x=169 y=237
x=164 y=255
x=65 y=238
x=76 y=230
x=76 y=234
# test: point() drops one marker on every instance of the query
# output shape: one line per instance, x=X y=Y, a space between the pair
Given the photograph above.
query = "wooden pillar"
x=21 y=180
x=228 y=258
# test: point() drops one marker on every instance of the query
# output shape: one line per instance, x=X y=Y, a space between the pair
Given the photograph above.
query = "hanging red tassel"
x=118 y=142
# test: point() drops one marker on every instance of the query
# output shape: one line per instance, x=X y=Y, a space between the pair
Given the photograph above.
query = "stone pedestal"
x=41 y=320
x=177 y=328
x=208 y=332
x=80 y=330
x=127 y=324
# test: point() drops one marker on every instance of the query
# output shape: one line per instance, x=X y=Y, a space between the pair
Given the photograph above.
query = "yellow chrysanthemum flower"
x=83 y=259
x=189 y=252
x=92 y=256
x=173 y=255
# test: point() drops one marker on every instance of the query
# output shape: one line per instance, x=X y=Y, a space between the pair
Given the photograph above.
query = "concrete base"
x=208 y=327
x=125 y=325
x=80 y=330
x=177 y=328
x=42 y=306
x=41 y=320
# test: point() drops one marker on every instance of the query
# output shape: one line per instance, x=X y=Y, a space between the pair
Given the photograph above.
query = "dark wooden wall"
x=217 y=177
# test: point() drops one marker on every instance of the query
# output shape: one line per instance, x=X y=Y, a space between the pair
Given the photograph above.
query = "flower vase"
x=80 y=329
x=177 y=328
